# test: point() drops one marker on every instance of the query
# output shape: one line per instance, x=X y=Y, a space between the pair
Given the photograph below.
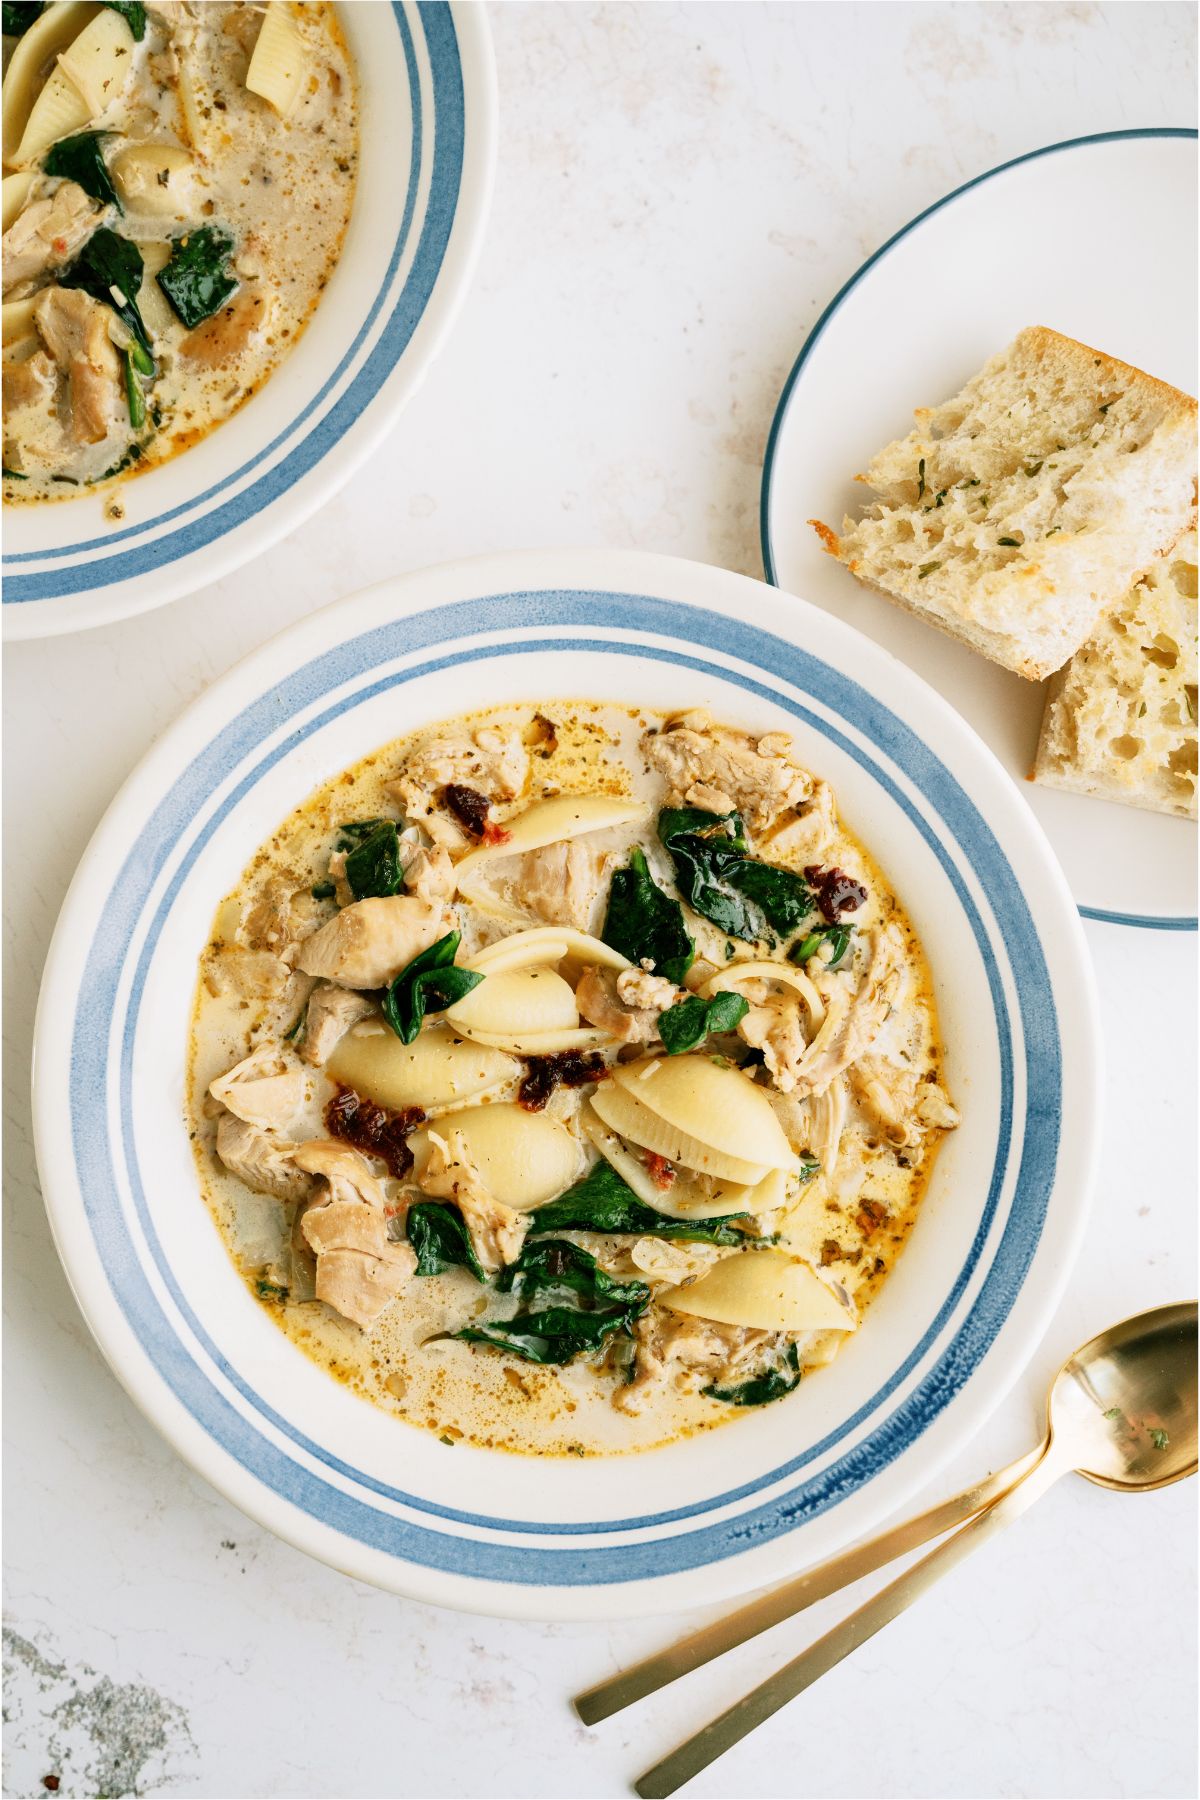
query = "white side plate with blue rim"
x=721 y=1513
x=1096 y=238
x=428 y=138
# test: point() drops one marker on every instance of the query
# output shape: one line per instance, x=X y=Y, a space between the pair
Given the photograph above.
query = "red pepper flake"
x=662 y=1173
x=373 y=1129
x=471 y=809
x=60 y=249
x=836 y=892
x=569 y=1069
x=52 y=1782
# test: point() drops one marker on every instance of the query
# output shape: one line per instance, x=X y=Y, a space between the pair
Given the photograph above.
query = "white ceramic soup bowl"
x=428 y=131
x=708 y=1517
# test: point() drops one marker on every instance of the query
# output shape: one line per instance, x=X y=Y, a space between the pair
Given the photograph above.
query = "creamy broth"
x=218 y=168
x=859 y=1136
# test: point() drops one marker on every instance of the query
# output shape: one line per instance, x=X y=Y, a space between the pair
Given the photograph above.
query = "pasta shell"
x=683 y=1199
x=99 y=62
x=157 y=313
x=524 y=1158
x=715 y=1104
x=32 y=60
x=58 y=110
x=138 y=172
x=517 y=1001
x=279 y=65
x=550 y=822
x=14 y=191
x=625 y=1114
x=439 y=1069
x=546 y=944
x=543 y=1043
x=765 y=1290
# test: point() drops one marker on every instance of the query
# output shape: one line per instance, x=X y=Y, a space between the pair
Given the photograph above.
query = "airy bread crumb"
x=1120 y=719
x=1025 y=507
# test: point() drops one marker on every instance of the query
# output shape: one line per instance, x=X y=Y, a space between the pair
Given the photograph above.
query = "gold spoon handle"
x=750 y=1711
x=692 y=1652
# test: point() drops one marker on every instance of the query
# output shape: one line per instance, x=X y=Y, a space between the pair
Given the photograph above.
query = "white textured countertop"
x=680 y=190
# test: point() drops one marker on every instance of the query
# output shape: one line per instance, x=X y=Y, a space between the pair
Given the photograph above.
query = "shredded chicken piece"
x=75 y=330
x=281 y=917
x=560 y=883
x=47 y=235
x=367 y=944
x=676 y=1348
x=721 y=770
x=806 y=838
x=428 y=874
x=497 y=1231
x=332 y=1010
x=263 y=1089
x=248 y=974
x=260 y=1158
x=359 y=1269
x=492 y=760
x=638 y=989
x=777 y=1030
x=935 y=1109
x=852 y=1020
x=225 y=335
x=596 y=998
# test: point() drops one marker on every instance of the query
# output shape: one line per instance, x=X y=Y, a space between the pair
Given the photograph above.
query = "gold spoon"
x=1121 y=1412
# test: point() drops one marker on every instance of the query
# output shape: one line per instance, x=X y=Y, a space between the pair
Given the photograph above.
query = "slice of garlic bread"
x=1025 y=507
x=1120 y=719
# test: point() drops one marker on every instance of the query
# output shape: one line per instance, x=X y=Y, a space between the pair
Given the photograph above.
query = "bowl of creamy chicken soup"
x=230 y=244
x=595 y=1077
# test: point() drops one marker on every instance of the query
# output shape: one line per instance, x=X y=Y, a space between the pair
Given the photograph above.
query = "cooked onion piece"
x=33 y=55
x=785 y=974
x=715 y=1105
x=625 y=1114
x=683 y=1198
x=437 y=1070
x=550 y=822
x=765 y=1290
x=515 y=1002
x=523 y=1158
x=99 y=62
x=279 y=64
x=546 y=944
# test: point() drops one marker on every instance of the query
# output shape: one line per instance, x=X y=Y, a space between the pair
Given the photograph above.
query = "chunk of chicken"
x=75 y=330
x=359 y=1269
x=366 y=945
x=852 y=1019
x=639 y=989
x=675 y=1349
x=244 y=974
x=228 y=332
x=492 y=760
x=281 y=917
x=722 y=770
x=598 y=1003
x=777 y=1030
x=29 y=382
x=807 y=837
x=263 y=1089
x=560 y=883
x=428 y=874
x=497 y=1231
x=47 y=235
x=260 y=1158
x=332 y=1010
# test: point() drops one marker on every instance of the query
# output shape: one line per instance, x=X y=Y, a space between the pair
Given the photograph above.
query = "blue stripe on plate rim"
x=1146 y=921
x=445 y=68
x=167 y=829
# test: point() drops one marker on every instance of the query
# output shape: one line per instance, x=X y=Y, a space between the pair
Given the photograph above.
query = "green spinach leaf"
x=692 y=1019
x=197 y=280
x=644 y=923
x=601 y=1201
x=441 y=1240
x=133 y=13
x=429 y=983
x=745 y=898
x=134 y=397
x=373 y=867
x=19 y=15
x=557 y=1334
x=109 y=268
x=770 y=1383
x=553 y=1264
x=837 y=936
x=78 y=159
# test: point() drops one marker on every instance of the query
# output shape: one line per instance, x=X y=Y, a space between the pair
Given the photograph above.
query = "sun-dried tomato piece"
x=836 y=892
x=373 y=1129
x=473 y=812
x=662 y=1173
x=569 y=1068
